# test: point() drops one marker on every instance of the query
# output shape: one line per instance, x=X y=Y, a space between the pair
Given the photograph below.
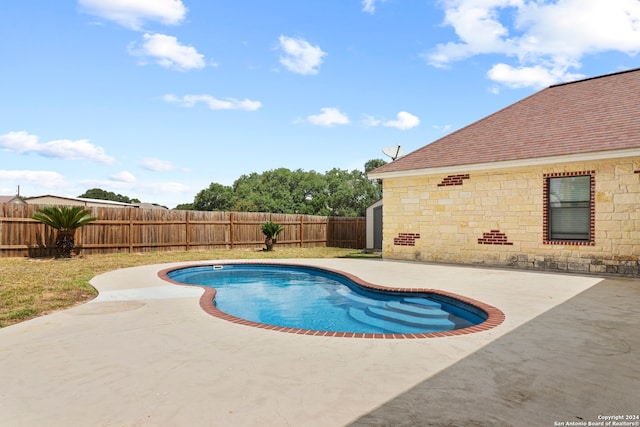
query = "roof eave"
x=579 y=157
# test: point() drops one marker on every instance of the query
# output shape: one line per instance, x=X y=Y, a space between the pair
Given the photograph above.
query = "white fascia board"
x=581 y=157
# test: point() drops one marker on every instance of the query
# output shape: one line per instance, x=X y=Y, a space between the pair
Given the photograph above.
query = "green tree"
x=337 y=192
x=246 y=191
x=373 y=164
x=216 y=197
x=100 y=194
x=185 y=207
x=310 y=195
x=377 y=184
x=348 y=193
x=275 y=191
x=66 y=220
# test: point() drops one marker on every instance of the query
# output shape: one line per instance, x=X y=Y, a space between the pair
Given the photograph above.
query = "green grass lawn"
x=34 y=287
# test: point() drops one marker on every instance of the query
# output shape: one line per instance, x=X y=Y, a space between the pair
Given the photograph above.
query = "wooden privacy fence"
x=146 y=230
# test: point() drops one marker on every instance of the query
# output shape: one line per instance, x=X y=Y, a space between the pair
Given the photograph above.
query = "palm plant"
x=270 y=230
x=66 y=220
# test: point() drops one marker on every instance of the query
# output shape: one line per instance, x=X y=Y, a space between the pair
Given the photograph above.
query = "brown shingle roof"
x=591 y=115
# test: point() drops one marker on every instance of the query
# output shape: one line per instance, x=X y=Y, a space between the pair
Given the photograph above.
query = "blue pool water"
x=317 y=299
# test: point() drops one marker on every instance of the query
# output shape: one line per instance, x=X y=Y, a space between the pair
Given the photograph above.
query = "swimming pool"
x=305 y=299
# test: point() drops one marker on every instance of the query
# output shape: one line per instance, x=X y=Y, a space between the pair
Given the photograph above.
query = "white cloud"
x=536 y=76
x=213 y=103
x=168 y=52
x=369 y=6
x=20 y=142
x=405 y=121
x=300 y=56
x=443 y=128
x=571 y=28
x=157 y=165
x=45 y=179
x=545 y=39
x=123 y=176
x=66 y=149
x=329 y=117
x=134 y=13
x=370 y=121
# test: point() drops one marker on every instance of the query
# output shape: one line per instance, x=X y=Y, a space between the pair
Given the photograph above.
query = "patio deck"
x=144 y=353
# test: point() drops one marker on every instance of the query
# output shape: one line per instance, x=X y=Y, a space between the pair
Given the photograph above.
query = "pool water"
x=317 y=299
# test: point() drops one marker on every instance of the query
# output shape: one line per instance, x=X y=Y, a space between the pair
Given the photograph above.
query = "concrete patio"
x=145 y=354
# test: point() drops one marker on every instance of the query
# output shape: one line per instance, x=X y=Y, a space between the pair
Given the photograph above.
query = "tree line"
x=337 y=192
x=100 y=194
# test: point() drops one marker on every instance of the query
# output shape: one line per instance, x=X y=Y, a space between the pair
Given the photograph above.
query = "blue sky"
x=156 y=99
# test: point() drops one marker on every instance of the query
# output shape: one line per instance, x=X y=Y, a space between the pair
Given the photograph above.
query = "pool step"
x=422 y=302
x=442 y=323
x=417 y=310
x=359 y=298
x=394 y=322
x=409 y=315
x=361 y=316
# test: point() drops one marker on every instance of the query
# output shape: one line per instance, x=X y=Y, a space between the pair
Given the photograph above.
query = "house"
x=12 y=199
x=551 y=182
x=49 y=199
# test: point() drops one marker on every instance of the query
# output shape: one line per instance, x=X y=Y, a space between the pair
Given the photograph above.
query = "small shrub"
x=271 y=230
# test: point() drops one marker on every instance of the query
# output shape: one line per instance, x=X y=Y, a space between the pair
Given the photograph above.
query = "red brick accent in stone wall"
x=494 y=237
x=406 y=239
x=453 y=180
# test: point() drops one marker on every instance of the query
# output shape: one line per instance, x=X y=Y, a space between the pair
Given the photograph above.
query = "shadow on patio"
x=575 y=362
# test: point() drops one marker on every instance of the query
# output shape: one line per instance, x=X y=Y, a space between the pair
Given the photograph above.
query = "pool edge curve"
x=495 y=316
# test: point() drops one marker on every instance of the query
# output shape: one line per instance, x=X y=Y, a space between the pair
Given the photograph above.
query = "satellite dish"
x=393 y=152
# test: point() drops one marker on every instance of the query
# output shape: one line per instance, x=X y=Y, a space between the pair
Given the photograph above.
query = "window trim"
x=546 y=208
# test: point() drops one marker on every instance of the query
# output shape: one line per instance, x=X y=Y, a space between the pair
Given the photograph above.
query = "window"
x=568 y=216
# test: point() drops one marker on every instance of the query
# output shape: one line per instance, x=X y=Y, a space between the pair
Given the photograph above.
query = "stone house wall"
x=496 y=218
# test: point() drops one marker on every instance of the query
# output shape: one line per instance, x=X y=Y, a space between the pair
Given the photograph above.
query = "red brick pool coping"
x=495 y=316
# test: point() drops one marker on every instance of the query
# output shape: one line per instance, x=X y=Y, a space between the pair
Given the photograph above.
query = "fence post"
x=81 y=240
x=301 y=231
x=188 y=230
x=130 y=230
x=231 y=228
x=326 y=231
